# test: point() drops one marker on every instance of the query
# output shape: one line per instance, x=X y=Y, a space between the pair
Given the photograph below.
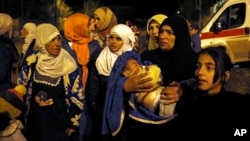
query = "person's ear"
x=227 y=75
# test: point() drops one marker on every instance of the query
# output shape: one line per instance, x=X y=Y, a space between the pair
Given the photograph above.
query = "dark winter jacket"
x=8 y=57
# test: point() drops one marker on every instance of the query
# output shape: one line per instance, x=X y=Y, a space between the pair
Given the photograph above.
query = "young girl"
x=121 y=40
x=208 y=112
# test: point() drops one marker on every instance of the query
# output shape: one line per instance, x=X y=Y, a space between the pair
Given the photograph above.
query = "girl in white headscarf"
x=108 y=56
x=121 y=40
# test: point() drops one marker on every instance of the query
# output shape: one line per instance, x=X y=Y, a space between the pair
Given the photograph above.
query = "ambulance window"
x=237 y=15
x=223 y=20
x=232 y=17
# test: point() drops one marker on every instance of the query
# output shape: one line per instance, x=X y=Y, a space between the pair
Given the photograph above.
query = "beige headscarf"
x=159 y=19
x=106 y=58
x=6 y=23
x=48 y=65
x=31 y=29
x=109 y=19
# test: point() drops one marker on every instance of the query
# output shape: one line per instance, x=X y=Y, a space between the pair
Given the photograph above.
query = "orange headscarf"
x=75 y=28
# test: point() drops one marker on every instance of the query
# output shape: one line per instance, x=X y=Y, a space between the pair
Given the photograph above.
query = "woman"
x=8 y=53
x=121 y=40
x=105 y=20
x=77 y=33
x=142 y=107
x=55 y=97
x=152 y=28
x=77 y=28
x=173 y=56
x=28 y=32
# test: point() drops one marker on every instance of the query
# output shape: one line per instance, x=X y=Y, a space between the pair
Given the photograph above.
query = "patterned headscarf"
x=31 y=29
x=48 y=65
x=106 y=58
x=159 y=19
x=6 y=23
x=75 y=30
x=108 y=17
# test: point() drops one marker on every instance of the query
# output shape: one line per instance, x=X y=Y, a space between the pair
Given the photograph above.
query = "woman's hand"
x=171 y=94
x=69 y=131
x=139 y=83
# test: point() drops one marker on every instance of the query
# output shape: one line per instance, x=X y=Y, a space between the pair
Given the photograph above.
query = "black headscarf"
x=178 y=63
x=181 y=32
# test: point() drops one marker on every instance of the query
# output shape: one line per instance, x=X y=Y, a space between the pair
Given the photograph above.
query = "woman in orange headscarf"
x=76 y=31
x=77 y=28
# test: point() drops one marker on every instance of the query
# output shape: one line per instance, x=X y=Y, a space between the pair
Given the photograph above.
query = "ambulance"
x=229 y=27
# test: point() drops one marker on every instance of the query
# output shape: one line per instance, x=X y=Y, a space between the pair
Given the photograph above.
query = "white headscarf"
x=106 y=58
x=31 y=29
x=48 y=65
x=6 y=23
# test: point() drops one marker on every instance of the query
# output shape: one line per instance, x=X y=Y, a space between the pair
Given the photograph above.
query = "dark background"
x=45 y=10
x=142 y=7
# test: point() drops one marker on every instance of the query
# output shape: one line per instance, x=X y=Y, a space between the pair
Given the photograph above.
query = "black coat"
x=175 y=65
x=203 y=117
x=8 y=57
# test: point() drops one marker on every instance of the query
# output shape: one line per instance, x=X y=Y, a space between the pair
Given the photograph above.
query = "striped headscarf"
x=108 y=18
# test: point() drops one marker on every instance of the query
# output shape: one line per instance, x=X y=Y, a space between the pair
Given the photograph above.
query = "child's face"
x=204 y=74
x=131 y=66
x=115 y=43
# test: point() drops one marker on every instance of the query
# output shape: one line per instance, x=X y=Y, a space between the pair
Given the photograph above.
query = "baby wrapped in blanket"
x=148 y=102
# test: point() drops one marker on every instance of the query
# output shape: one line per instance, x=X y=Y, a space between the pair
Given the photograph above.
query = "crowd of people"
x=90 y=82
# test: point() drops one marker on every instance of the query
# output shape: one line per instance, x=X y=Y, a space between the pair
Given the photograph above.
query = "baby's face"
x=131 y=66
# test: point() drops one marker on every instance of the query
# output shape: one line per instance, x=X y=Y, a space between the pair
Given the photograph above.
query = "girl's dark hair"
x=222 y=61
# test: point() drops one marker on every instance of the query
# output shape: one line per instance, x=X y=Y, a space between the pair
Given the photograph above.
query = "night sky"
x=143 y=8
